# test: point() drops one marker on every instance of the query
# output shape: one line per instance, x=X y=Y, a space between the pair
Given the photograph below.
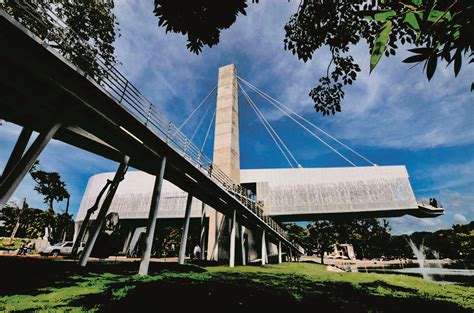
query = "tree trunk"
x=15 y=229
x=322 y=257
x=67 y=205
x=65 y=219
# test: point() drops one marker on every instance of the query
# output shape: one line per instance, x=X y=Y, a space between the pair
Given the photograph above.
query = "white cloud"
x=460 y=219
x=393 y=107
x=445 y=176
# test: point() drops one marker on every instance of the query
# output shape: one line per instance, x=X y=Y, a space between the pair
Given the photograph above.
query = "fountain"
x=437 y=257
x=420 y=256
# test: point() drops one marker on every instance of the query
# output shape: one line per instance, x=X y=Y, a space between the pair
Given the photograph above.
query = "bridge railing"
x=57 y=34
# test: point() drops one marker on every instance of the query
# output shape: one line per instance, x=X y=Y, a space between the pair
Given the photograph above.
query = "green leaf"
x=379 y=15
x=411 y=20
x=380 y=44
x=384 y=16
x=435 y=15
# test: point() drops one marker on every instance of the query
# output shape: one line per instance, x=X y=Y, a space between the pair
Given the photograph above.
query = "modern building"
x=296 y=194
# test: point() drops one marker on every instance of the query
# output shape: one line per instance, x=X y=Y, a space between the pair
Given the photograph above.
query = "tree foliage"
x=440 y=30
x=296 y=233
x=321 y=237
x=201 y=20
x=50 y=185
x=91 y=28
x=33 y=222
x=435 y=30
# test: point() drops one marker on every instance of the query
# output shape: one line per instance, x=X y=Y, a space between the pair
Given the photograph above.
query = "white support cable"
x=194 y=111
x=264 y=125
x=265 y=121
x=208 y=131
x=310 y=132
x=270 y=98
x=200 y=122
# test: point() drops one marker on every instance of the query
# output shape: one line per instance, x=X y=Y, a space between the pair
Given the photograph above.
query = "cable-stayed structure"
x=293 y=116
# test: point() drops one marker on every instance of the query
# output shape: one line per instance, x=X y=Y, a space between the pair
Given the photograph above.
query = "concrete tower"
x=226 y=146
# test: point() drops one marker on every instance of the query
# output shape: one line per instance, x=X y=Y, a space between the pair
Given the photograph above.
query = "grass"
x=61 y=286
x=14 y=245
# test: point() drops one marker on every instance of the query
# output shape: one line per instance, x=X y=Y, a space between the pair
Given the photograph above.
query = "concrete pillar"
x=184 y=234
x=291 y=256
x=214 y=249
x=17 y=152
x=97 y=225
x=202 y=240
x=264 y=248
x=226 y=140
x=233 y=234
x=21 y=168
x=127 y=242
x=279 y=252
x=242 y=245
x=85 y=223
x=152 y=215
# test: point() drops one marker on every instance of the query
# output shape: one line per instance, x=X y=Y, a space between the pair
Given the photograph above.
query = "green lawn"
x=61 y=286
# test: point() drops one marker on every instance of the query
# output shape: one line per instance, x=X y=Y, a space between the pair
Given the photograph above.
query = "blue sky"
x=393 y=116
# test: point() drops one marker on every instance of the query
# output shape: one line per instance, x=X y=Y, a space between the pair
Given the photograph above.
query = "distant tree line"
x=27 y=222
x=371 y=238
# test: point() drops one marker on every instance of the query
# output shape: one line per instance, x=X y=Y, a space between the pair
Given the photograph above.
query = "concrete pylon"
x=279 y=251
x=226 y=144
x=152 y=216
x=23 y=165
x=232 y=239
x=184 y=235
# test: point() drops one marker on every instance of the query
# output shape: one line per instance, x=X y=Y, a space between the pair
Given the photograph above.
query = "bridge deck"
x=40 y=87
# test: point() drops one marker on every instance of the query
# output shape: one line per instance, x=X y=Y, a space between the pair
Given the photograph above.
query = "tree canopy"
x=50 y=185
x=434 y=30
x=91 y=28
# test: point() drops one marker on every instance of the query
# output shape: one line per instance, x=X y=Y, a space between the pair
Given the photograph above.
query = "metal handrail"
x=60 y=37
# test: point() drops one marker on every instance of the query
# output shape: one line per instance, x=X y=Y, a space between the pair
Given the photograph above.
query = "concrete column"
x=233 y=225
x=202 y=240
x=226 y=140
x=184 y=234
x=21 y=168
x=279 y=252
x=242 y=245
x=215 y=247
x=152 y=215
x=127 y=241
x=97 y=225
x=291 y=256
x=85 y=223
x=264 y=248
x=17 y=152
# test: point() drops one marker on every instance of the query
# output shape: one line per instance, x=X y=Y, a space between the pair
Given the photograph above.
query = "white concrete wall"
x=284 y=192
x=332 y=190
x=133 y=197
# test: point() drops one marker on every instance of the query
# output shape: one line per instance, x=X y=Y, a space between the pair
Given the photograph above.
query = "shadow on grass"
x=248 y=292
x=174 y=288
x=20 y=275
